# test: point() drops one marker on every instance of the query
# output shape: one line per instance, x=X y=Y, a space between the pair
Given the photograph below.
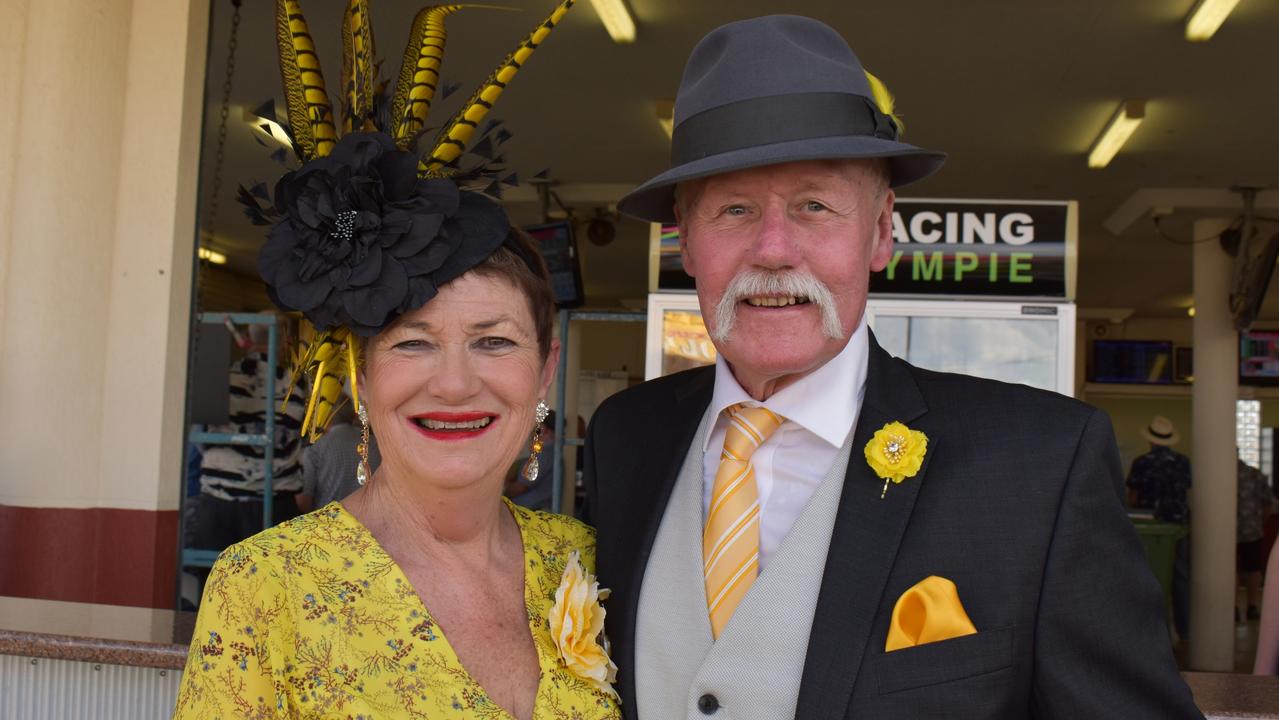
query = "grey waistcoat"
x=754 y=668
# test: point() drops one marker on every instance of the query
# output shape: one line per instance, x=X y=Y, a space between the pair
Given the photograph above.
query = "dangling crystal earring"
x=540 y=413
x=362 y=471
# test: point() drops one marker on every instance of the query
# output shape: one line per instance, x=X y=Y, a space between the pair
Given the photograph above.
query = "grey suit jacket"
x=1019 y=503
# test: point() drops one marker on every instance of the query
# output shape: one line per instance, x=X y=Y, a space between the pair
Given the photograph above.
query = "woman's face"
x=451 y=387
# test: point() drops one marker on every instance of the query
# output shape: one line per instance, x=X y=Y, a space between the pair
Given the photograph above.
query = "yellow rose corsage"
x=896 y=453
x=577 y=627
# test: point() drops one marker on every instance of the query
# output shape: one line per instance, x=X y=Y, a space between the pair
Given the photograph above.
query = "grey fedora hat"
x=772 y=90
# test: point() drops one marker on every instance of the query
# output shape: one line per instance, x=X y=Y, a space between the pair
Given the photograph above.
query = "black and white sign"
x=980 y=248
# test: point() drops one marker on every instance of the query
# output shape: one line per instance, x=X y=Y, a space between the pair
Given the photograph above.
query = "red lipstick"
x=453 y=426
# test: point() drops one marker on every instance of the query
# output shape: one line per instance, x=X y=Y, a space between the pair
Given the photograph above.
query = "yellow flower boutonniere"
x=896 y=453
x=577 y=627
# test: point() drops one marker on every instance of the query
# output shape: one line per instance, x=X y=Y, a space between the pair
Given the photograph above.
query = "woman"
x=424 y=594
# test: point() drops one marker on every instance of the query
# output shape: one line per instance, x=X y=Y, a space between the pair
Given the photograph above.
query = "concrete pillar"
x=1213 y=494
x=13 y=40
x=98 y=172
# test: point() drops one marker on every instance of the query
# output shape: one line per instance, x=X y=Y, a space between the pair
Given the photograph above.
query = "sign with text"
x=981 y=248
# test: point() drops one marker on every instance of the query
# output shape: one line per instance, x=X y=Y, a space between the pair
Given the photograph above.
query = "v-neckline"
x=530 y=602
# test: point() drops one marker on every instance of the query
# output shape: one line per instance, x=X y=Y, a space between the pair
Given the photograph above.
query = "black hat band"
x=1161 y=436
x=776 y=119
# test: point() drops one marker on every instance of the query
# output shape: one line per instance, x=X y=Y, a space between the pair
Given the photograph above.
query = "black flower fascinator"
x=359 y=239
x=366 y=230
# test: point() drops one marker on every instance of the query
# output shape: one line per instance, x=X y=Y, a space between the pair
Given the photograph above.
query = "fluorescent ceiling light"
x=617 y=19
x=1206 y=16
x=212 y=256
x=666 y=115
x=1118 y=130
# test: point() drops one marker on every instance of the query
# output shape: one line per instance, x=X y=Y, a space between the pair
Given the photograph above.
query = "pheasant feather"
x=419 y=72
x=357 y=65
x=457 y=133
x=310 y=116
x=328 y=357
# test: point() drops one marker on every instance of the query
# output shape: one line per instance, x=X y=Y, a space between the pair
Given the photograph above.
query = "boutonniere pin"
x=577 y=627
x=896 y=453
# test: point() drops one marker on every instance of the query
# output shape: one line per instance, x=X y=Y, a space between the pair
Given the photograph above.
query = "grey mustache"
x=794 y=283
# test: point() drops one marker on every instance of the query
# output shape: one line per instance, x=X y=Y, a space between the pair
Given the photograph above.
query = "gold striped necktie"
x=730 y=542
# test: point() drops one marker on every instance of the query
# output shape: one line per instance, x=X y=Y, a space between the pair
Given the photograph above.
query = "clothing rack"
x=196 y=557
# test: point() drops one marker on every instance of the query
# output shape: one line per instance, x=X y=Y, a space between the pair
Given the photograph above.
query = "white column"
x=98 y=170
x=70 y=89
x=1213 y=494
x=149 y=308
x=13 y=36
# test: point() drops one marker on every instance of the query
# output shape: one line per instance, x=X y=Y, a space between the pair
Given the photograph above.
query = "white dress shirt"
x=820 y=410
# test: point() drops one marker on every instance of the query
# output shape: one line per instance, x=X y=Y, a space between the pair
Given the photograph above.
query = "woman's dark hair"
x=518 y=262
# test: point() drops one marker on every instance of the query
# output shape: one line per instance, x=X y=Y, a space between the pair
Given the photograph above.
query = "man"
x=760 y=566
x=1160 y=481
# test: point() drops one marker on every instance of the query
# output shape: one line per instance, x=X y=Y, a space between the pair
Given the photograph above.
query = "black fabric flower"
x=359 y=239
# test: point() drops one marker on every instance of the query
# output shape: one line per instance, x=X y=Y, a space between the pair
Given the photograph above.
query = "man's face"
x=782 y=256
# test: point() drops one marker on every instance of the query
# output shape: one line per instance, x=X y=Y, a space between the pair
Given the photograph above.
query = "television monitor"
x=559 y=249
x=1259 y=357
x=1142 y=362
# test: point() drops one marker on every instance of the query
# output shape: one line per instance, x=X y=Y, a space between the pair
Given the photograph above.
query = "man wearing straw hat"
x=812 y=528
x=1160 y=481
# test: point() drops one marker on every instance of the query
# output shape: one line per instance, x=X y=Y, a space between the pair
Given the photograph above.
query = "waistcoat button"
x=708 y=704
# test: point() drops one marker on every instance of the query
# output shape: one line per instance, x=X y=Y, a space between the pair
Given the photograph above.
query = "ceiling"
x=1015 y=92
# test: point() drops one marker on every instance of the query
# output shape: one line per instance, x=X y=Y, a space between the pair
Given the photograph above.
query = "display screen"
x=1259 y=356
x=559 y=250
x=1132 y=361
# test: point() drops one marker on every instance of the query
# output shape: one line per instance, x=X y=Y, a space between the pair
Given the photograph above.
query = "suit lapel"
x=651 y=486
x=863 y=545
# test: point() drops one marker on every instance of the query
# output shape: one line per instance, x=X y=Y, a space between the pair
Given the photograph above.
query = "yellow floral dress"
x=312 y=619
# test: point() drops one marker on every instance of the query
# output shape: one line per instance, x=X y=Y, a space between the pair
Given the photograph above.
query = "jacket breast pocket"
x=945 y=661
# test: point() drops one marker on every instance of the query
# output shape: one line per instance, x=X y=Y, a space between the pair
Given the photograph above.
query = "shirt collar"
x=825 y=402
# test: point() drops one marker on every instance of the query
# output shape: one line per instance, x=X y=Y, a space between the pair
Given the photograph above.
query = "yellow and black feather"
x=453 y=139
x=358 y=69
x=419 y=72
x=310 y=115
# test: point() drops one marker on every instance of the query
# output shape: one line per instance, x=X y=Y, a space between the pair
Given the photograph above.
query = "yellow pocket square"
x=928 y=612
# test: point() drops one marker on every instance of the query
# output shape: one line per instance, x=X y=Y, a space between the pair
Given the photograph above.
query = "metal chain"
x=211 y=210
x=215 y=184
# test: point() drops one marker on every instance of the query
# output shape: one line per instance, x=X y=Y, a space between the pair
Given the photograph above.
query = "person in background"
x=1255 y=503
x=1266 y=661
x=537 y=494
x=229 y=506
x=329 y=466
x=1160 y=481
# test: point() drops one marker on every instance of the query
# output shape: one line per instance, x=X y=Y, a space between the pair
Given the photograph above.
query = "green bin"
x=1159 y=540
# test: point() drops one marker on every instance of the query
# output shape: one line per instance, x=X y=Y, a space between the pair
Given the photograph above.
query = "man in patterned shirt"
x=1160 y=481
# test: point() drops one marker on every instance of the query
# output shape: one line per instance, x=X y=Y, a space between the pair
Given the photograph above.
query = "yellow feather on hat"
x=884 y=99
